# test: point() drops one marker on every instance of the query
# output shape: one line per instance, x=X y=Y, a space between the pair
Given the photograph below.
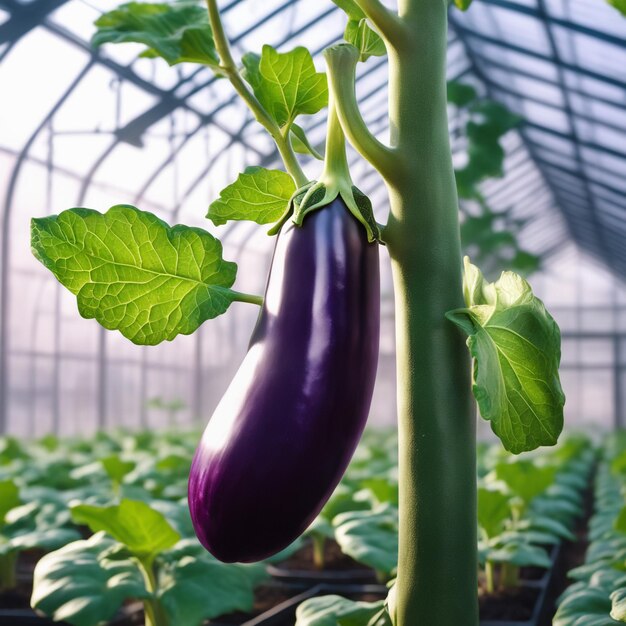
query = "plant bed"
x=530 y=604
x=300 y=570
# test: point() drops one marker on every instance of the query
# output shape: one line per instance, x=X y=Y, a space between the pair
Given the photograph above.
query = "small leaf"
x=366 y=40
x=176 y=32
x=620 y=5
x=460 y=94
x=133 y=273
x=338 y=611
x=144 y=531
x=618 y=605
x=350 y=8
x=116 y=468
x=286 y=84
x=525 y=478
x=462 y=4
x=82 y=585
x=9 y=498
x=258 y=195
x=493 y=511
x=516 y=346
x=301 y=144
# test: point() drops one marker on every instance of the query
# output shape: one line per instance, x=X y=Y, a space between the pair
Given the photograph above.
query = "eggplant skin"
x=285 y=430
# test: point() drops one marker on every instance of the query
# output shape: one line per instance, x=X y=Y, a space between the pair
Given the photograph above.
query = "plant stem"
x=510 y=576
x=250 y=298
x=437 y=568
x=489 y=577
x=154 y=612
x=8 y=575
x=319 y=542
x=335 y=161
x=229 y=67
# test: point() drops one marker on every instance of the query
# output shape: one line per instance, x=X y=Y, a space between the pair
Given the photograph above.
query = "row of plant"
x=112 y=514
x=598 y=595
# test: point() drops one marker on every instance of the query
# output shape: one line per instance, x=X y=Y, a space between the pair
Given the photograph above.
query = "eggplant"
x=284 y=432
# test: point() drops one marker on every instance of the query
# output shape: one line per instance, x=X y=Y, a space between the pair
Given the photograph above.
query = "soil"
x=334 y=560
x=510 y=604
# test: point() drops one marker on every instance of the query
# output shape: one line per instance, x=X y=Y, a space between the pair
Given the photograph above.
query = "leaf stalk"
x=230 y=69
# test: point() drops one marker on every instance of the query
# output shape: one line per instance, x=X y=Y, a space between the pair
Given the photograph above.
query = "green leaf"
x=9 y=498
x=350 y=8
x=366 y=40
x=493 y=510
x=144 y=531
x=462 y=4
x=287 y=85
x=618 y=605
x=370 y=537
x=620 y=5
x=194 y=587
x=519 y=552
x=258 y=195
x=176 y=32
x=460 y=94
x=83 y=584
x=338 y=611
x=300 y=143
x=516 y=346
x=133 y=273
x=525 y=478
x=116 y=468
x=585 y=607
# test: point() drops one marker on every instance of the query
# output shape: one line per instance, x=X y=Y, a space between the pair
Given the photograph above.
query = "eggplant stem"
x=153 y=610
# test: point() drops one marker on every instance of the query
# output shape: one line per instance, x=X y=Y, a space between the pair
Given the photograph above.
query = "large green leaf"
x=370 y=537
x=338 y=611
x=133 y=273
x=86 y=582
x=618 y=605
x=286 y=84
x=258 y=195
x=176 y=32
x=493 y=510
x=143 y=530
x=194 y=587
x=516 y=346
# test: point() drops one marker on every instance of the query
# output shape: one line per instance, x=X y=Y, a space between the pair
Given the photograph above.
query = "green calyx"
x=334 y=182
x=317 y=195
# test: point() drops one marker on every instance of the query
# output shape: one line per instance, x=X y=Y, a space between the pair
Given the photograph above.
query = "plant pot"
x=543 y=611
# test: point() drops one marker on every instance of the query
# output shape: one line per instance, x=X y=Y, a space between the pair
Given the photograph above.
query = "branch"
x=341 y=61
x=387 y=22
x=229 y=67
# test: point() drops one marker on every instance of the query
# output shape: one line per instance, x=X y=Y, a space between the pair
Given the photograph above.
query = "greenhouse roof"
x=570 y=153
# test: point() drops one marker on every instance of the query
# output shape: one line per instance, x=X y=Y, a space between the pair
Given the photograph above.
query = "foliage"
x=134 y=273
x=515 y=344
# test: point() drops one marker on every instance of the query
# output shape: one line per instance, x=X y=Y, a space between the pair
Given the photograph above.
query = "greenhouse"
x=313 y=313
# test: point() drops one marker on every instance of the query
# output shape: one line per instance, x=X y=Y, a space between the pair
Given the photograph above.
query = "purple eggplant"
x=288 y=424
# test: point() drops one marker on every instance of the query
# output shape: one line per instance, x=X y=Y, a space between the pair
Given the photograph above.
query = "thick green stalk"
x=437 y=568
